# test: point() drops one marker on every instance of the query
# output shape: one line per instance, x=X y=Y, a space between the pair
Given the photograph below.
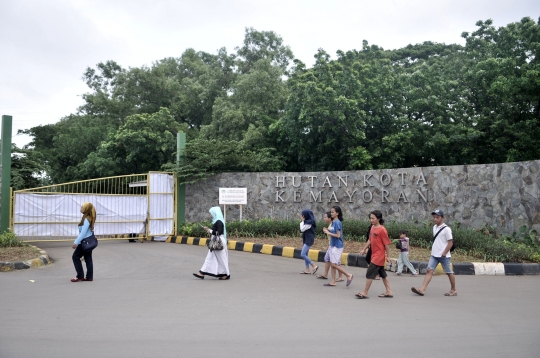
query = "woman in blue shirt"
x=86 y=229
x=336 y=245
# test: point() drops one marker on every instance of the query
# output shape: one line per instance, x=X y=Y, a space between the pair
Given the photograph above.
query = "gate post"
x=6 y=173
x=181 y=188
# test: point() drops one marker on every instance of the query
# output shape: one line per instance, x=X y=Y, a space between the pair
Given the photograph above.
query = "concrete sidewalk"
x=144 y=302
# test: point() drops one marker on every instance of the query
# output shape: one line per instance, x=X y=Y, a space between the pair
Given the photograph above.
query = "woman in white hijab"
x=217 y=261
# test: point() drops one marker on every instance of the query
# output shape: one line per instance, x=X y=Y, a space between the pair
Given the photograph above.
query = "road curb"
x=42 y=260
x=459 y=268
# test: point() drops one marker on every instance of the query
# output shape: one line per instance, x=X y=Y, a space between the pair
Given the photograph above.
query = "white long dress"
x=217 y=262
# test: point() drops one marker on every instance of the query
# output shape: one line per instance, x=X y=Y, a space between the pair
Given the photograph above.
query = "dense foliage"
x=259 y=109
x=477 y=243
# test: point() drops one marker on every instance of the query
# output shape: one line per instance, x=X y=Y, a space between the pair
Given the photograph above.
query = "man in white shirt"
x=440 y=253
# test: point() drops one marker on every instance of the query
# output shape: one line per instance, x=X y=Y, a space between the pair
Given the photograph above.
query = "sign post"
x=232 y=196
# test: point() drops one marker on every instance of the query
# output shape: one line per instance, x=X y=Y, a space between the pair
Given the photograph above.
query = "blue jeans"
x=305 y=256
x=444 y=261
x=76 y=257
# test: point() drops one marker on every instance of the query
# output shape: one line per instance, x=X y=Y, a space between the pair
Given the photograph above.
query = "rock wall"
x=505 y=196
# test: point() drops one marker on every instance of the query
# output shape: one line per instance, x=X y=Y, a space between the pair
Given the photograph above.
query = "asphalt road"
x=144 y=302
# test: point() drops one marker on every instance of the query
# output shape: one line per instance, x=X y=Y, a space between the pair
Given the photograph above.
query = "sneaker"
x=415 y=274
x=398 y=274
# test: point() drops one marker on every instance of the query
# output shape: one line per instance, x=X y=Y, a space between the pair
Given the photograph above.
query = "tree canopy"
x=260 y=109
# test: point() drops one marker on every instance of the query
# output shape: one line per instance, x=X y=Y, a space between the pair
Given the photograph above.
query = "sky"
x=45 y=46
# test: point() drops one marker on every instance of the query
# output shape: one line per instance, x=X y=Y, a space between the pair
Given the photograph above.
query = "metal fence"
x=138 y=205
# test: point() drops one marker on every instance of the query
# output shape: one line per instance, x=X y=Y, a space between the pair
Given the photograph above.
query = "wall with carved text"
x=505 y=196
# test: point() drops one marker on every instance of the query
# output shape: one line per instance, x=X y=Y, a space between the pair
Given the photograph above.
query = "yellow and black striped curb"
x=42 y=260
x=459 y=268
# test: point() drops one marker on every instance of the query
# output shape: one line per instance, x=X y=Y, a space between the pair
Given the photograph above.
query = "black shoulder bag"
x=89 y=243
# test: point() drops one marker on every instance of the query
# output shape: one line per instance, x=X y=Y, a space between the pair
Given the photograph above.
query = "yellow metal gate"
x=127 y=206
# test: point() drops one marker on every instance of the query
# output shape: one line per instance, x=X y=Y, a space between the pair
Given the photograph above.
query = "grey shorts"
x=374 y=270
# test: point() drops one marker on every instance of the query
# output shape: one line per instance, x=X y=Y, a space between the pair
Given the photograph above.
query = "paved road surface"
x=144 y=302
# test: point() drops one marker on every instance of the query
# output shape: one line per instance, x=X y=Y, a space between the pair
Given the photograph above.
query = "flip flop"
x=340 y=280
x=304 y=273
x=384 y=295
x=361 y=296
x=417 y=291
x=450 y=294
x=316 y=268
x=329 y=285
x=199 y=276
x=322 y=277
x=349 y=281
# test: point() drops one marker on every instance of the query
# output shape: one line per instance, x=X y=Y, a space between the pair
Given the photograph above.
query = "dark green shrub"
x=9 y=239
x=469 y=241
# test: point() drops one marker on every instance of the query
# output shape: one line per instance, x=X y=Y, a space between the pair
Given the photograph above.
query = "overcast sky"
x=46 y=45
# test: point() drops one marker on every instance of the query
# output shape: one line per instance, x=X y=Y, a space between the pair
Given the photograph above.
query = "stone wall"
x=505 y=196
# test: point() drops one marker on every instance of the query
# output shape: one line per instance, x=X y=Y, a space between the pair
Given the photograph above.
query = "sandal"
x=199 y=276
x=316 y=268
x=417 y=291
x=305 y=273
x=329 y=285
x=228 y=277
x=361 y=296
x=322 y=277
x=450 y=293
x=340 y=279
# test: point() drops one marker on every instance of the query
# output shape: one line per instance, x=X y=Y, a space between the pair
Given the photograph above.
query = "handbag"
x=398 y=245
x=89 y=243
x=214 y=244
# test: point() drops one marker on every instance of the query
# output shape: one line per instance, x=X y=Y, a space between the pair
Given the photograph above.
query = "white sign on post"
x=232 y=196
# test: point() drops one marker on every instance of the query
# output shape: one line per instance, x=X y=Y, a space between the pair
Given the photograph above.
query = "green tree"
x=144 y=143
x=324 y=123
x=206 y=157
x=67 y=143
x=504 y=95
x=263 y=45
x=28 y=169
